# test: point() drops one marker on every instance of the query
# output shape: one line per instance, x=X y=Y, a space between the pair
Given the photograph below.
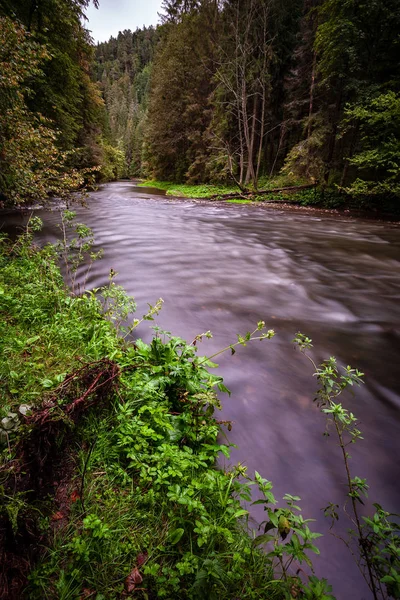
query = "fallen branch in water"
x=288 y=190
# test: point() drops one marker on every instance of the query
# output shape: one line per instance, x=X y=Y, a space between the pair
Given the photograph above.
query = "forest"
x=241 y=93
x=115 y=480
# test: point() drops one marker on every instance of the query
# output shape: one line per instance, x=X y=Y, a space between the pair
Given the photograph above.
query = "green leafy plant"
x=76 y=251
x=377 y=538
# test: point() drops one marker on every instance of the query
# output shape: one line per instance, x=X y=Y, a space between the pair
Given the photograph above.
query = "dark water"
x=225 y=267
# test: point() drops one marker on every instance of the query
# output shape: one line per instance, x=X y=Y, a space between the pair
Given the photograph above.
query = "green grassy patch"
x=190 y=191
x=239 y=201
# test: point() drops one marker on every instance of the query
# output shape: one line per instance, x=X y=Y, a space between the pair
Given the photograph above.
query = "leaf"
x=142 y=558
x=47 y=383
x=283 y=526
x=240 y=513
x=134 y=578
x=223 y=388
x=262 y=539
x=57 y=516
x=224 y=450
x=387 y=579
x=313 y=548
x=60 y=377
x=176 y=535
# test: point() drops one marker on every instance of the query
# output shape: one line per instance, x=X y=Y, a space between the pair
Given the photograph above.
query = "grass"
x=191 y=191
x=239 y=201
x=265 y=183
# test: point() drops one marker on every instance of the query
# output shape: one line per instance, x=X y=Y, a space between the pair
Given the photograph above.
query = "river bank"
x=108 y=455
x=312 y=201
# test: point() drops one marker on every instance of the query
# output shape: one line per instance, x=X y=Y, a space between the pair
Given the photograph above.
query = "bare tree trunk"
x=250 y=175
x=244 y=79
x=332 y=140
x=279 y=147
x=239 y=110
x=312 y=86
x=262 y=128
x=263 y=93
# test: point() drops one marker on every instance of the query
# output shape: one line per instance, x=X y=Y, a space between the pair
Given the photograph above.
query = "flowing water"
x=224 y=267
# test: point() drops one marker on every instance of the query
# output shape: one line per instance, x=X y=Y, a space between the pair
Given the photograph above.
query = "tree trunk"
x=312 y=86
x=332 y=140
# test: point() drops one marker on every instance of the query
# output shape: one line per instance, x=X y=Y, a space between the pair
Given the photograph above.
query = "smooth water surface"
x=224 y=267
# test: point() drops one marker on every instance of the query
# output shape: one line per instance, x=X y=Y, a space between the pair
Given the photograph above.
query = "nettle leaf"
x=223 y=388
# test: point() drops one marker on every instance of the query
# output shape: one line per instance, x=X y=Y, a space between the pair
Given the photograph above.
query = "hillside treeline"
x=53 y=136
x=233 y=91
x=247 y=89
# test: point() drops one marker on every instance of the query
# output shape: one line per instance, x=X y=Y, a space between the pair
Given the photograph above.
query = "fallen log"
x=244 y=195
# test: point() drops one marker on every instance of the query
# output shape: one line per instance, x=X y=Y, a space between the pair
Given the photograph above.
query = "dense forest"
x=52 y=116
x=237 y=92
x=247 y=90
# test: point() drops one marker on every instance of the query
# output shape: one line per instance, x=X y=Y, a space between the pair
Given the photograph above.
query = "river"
x=225 y=267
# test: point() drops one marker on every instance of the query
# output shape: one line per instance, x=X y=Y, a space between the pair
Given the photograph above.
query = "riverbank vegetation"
x=52 y=134
x=108 y=451
x=277 y=190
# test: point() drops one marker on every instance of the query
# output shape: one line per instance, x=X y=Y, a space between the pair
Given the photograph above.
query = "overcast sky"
x=116 y=15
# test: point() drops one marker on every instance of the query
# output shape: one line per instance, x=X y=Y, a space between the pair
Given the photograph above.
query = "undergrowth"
x=143 y=509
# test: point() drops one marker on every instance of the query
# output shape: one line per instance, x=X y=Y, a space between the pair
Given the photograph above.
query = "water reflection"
x=225 y=267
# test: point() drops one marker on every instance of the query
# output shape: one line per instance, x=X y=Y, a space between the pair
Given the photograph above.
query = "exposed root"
x=41 y=473
x=96 y=379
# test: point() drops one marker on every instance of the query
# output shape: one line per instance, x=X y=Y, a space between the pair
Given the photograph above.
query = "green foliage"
x=284 y=524
x=306 y=158
x=190 y=191
x=379 y=160
x=176 y=144
x=63 y=92
x=122 y=67
x=150 y=507
x=75 y=252
x=32 y=167
x=376 y=539
x=239 y=201
x=243 y=91
x=44 y=331
x=113 y=165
